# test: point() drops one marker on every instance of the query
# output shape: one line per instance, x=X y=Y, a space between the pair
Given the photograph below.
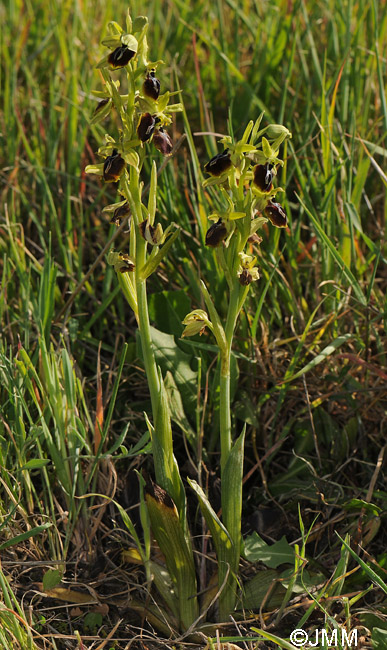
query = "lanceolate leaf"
x=326 y=352
x=232 y=513
x=170 y=537
x=224 y=547
x=219 y=534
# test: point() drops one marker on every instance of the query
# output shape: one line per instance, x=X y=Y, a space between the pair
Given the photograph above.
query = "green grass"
x=309 y=364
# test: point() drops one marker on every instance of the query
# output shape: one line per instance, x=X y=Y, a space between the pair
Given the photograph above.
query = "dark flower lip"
x=146 y=126
x=120 y=214
x=216 y=234
x=151 y=86
x=120 y=57
x=163 y=142
x=218 y=164
x=245 y=278
x=113 y=167
x=276 y=214
x=263 y=177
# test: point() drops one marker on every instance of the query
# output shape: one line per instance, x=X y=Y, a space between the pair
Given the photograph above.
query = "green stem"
x=225 y=406
x=132 y=194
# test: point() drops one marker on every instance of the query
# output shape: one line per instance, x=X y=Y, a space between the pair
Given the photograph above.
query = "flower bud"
x=151 y=86
x=276 y=214
x=163 y=142
x=216 y=234
x=275 y=131
x=218 y=164
x=146 y=126
x=263 y=177
x=120 y=57
x=113 y=167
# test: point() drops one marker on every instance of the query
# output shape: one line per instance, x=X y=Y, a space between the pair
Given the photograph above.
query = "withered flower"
x=163 y=142
x=247 y=272
x=245 y=277
x=255 y=239
x=113 y=167
x=276 y=214
x=151 y=86
x=195 y=323
x=216 y=234
x=120 y=214
x=263 y=177
x=219 y=164
x=120 y=57
x=146 y=126
x=125 y=263
x=152 y=234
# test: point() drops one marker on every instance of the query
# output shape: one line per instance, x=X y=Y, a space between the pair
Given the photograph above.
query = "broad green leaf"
x=176 y=408
x=170 y=357
x=167 y=309
x=256 y=550
x=51 y=579
x=379 y=638
x=263 y=588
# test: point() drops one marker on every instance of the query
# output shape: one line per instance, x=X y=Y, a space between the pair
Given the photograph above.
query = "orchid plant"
x=244 y=174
